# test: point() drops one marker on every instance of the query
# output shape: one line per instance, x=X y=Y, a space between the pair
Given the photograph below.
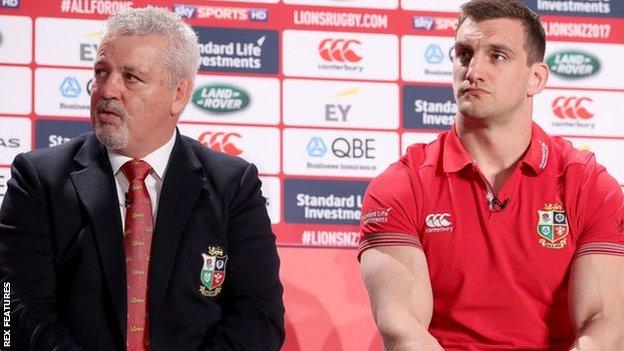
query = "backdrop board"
x=322 y=95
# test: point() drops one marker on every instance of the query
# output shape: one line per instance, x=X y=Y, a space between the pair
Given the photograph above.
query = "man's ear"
x=181 y=95
x=538 y=78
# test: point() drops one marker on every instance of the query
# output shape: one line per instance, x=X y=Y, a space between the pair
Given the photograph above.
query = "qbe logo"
x=319 y=201
x=354 y=148
x=335 y=153
x=70 y=87
x=428 y=107
x=53 y=133
x=238 y=50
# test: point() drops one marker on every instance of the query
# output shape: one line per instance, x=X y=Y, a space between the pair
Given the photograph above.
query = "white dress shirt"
x=158 y=160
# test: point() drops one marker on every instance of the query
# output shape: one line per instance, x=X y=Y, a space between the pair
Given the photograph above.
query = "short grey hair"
x=181 y=54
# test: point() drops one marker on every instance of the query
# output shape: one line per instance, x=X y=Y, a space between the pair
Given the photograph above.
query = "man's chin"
x=111 y=138
x=473 y=112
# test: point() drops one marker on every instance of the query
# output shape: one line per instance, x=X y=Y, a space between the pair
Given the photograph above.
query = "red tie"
x=138 y=241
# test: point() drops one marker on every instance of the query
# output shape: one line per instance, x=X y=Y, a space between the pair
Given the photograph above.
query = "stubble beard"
x=470 y=110
x=113 y=137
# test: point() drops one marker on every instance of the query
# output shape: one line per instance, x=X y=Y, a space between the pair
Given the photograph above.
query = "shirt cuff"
x=604 y=248
x=387 y=239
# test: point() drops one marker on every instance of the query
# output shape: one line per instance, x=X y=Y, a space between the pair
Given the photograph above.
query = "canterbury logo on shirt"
x=438 y=222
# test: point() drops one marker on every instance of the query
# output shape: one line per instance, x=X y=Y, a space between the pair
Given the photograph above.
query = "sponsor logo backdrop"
x=322 y=95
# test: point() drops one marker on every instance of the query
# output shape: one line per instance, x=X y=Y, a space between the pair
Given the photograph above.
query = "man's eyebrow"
x=462 y=45
x=500 y=47
x=133 y=69
x=494 y=46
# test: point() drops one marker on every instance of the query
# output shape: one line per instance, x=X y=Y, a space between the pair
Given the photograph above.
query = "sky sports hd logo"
x=222 y=13
x=10 y=4
x=428 y=107
x=238 y=50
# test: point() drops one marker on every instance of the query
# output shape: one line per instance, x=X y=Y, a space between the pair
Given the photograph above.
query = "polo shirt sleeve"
x=602 y=214
x=389 y=210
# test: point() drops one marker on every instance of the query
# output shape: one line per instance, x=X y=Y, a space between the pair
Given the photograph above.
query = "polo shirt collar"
x=537 y=155
x=455 y=156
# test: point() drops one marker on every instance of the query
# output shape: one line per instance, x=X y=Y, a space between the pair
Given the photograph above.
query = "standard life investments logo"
x=238 y=50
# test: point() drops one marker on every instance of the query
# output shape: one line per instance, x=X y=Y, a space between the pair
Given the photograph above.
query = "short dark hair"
x=534 y=35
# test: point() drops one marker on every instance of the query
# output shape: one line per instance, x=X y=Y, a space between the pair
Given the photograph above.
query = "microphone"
x=127 y=200
x=496 y=205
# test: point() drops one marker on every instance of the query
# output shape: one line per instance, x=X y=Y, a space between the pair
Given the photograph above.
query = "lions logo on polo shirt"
x=212 y=274
x=552 y=226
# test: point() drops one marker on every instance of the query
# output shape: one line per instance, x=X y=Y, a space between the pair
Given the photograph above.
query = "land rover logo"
x=572 y=64
x=220 y=98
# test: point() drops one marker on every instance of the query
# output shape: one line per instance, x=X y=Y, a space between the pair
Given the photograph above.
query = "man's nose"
x=110 y=88
x=476 y=67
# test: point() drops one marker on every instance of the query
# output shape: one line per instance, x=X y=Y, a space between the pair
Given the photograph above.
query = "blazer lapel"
x=95 y=186
x=182 y=185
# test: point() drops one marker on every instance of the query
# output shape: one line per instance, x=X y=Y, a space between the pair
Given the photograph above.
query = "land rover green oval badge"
x=220 y=98
x=572 y=64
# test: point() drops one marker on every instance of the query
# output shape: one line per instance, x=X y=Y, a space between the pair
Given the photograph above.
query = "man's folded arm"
x=399 y=290
x=252 y=309
x=27 y=263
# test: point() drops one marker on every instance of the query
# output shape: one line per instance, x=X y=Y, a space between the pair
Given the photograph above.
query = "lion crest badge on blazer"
x=212 y=274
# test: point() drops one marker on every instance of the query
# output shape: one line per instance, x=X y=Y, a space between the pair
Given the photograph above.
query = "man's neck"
x=496 y=147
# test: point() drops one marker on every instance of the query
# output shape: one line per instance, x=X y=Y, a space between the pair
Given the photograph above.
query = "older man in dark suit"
x=135 y=237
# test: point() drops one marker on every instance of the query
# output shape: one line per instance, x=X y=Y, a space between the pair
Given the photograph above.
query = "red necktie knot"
x=136 y=170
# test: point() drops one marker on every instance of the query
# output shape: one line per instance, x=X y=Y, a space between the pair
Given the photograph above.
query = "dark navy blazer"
x=62 y=250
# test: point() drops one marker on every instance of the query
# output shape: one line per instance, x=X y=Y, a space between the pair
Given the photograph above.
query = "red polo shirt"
x=499 y=275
